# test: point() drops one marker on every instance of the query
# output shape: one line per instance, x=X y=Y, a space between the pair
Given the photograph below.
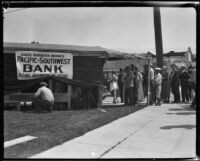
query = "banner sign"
x=33 y=64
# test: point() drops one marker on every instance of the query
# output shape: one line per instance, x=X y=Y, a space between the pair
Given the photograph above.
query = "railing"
x=16 y=98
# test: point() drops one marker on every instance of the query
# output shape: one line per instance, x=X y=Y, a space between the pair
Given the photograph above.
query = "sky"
x=129 y=29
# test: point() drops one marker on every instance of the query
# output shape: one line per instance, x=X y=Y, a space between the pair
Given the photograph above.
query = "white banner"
x=33 y=64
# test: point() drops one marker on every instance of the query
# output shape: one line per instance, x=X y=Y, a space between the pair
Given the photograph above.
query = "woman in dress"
x=114 y=87
x=165 y=92
x=139 y=86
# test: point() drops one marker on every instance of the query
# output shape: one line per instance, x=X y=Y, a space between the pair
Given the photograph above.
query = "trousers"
x=41 y=104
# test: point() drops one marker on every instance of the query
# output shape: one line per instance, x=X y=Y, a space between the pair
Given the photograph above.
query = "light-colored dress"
x=158 y=82
x=139 y=86
x=113 y=83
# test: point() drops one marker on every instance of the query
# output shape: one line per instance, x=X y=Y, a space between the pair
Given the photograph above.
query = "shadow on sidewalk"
x=182 y=113
x=181 y=109
x=178 y=126
x=141 y=106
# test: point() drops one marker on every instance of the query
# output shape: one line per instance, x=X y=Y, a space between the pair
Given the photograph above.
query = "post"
x=69 y=96
x=50 y=85
x=158 y=36
x=19 y=104
x=148 y=87
x=100 y=98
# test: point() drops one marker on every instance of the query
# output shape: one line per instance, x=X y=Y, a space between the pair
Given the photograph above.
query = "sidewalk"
x=166 y=131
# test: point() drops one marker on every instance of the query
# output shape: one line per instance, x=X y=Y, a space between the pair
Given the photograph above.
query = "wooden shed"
x=88 y=65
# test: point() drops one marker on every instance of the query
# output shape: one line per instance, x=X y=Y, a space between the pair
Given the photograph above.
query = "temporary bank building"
x=72 y=72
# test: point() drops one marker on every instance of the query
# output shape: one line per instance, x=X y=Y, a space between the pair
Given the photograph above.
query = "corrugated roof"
x=53 y=46
x=102 y=52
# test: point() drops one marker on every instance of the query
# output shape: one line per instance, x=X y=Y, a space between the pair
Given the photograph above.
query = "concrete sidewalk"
x=166 y=131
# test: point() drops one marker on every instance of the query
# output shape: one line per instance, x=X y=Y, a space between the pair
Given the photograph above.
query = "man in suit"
x=121 y=84
x=184 y=79
x=175 y=83
x=152 y=88
x=193 y=84
x=129 y=84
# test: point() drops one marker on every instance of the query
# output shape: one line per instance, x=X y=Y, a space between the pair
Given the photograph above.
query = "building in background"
x=185 y=58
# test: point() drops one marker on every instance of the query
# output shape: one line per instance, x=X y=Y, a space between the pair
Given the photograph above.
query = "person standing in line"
x=184 y=79
x=128 y=84
x=139 y=86
x=133 y=70
x=193 y=85
x=114 y=86
x=175 y=83
x=157 y=83
x=106 y=81
x=165 y=92
x=43 y=98
x=145 y=81
x=152 y=96
x=121 y=84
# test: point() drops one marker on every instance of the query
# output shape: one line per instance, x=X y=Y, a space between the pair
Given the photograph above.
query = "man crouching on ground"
x=43 y=98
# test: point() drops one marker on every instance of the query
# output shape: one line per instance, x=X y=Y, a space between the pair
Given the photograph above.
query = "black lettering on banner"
x=58 y=68
x=27 y=68
x=26 y=59
x=37 y=68
x=19 y=58
x=67 y=61
x=47 y=68
x=22 y=75
x=41 y=60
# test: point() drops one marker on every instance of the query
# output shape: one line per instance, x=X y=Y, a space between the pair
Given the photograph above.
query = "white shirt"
x=45 y=93
x=158 y=79
x=151 y=73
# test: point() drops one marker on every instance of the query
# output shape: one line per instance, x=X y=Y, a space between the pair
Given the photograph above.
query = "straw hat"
x=158 y=69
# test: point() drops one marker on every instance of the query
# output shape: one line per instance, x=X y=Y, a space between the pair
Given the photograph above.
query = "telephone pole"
x=158 y=36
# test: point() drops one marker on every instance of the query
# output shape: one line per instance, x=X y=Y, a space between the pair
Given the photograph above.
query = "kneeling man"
x=43 y=98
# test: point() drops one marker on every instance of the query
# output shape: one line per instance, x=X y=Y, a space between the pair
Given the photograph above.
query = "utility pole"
x=158 y=36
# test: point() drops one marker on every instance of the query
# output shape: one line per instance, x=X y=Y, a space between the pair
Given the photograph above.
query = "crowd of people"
x=131 y=85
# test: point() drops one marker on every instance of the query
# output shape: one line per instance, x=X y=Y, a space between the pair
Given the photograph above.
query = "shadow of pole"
x=178 y=126
x=182 y=113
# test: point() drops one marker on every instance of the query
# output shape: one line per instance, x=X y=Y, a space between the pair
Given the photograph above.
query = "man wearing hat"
x=129 y=84
x=157 y=83
x=192 y=71
x=184 y=79
x=165 y=92
x=43 y=98
x=145 y=80
x=175 y=83
x=152 y=89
